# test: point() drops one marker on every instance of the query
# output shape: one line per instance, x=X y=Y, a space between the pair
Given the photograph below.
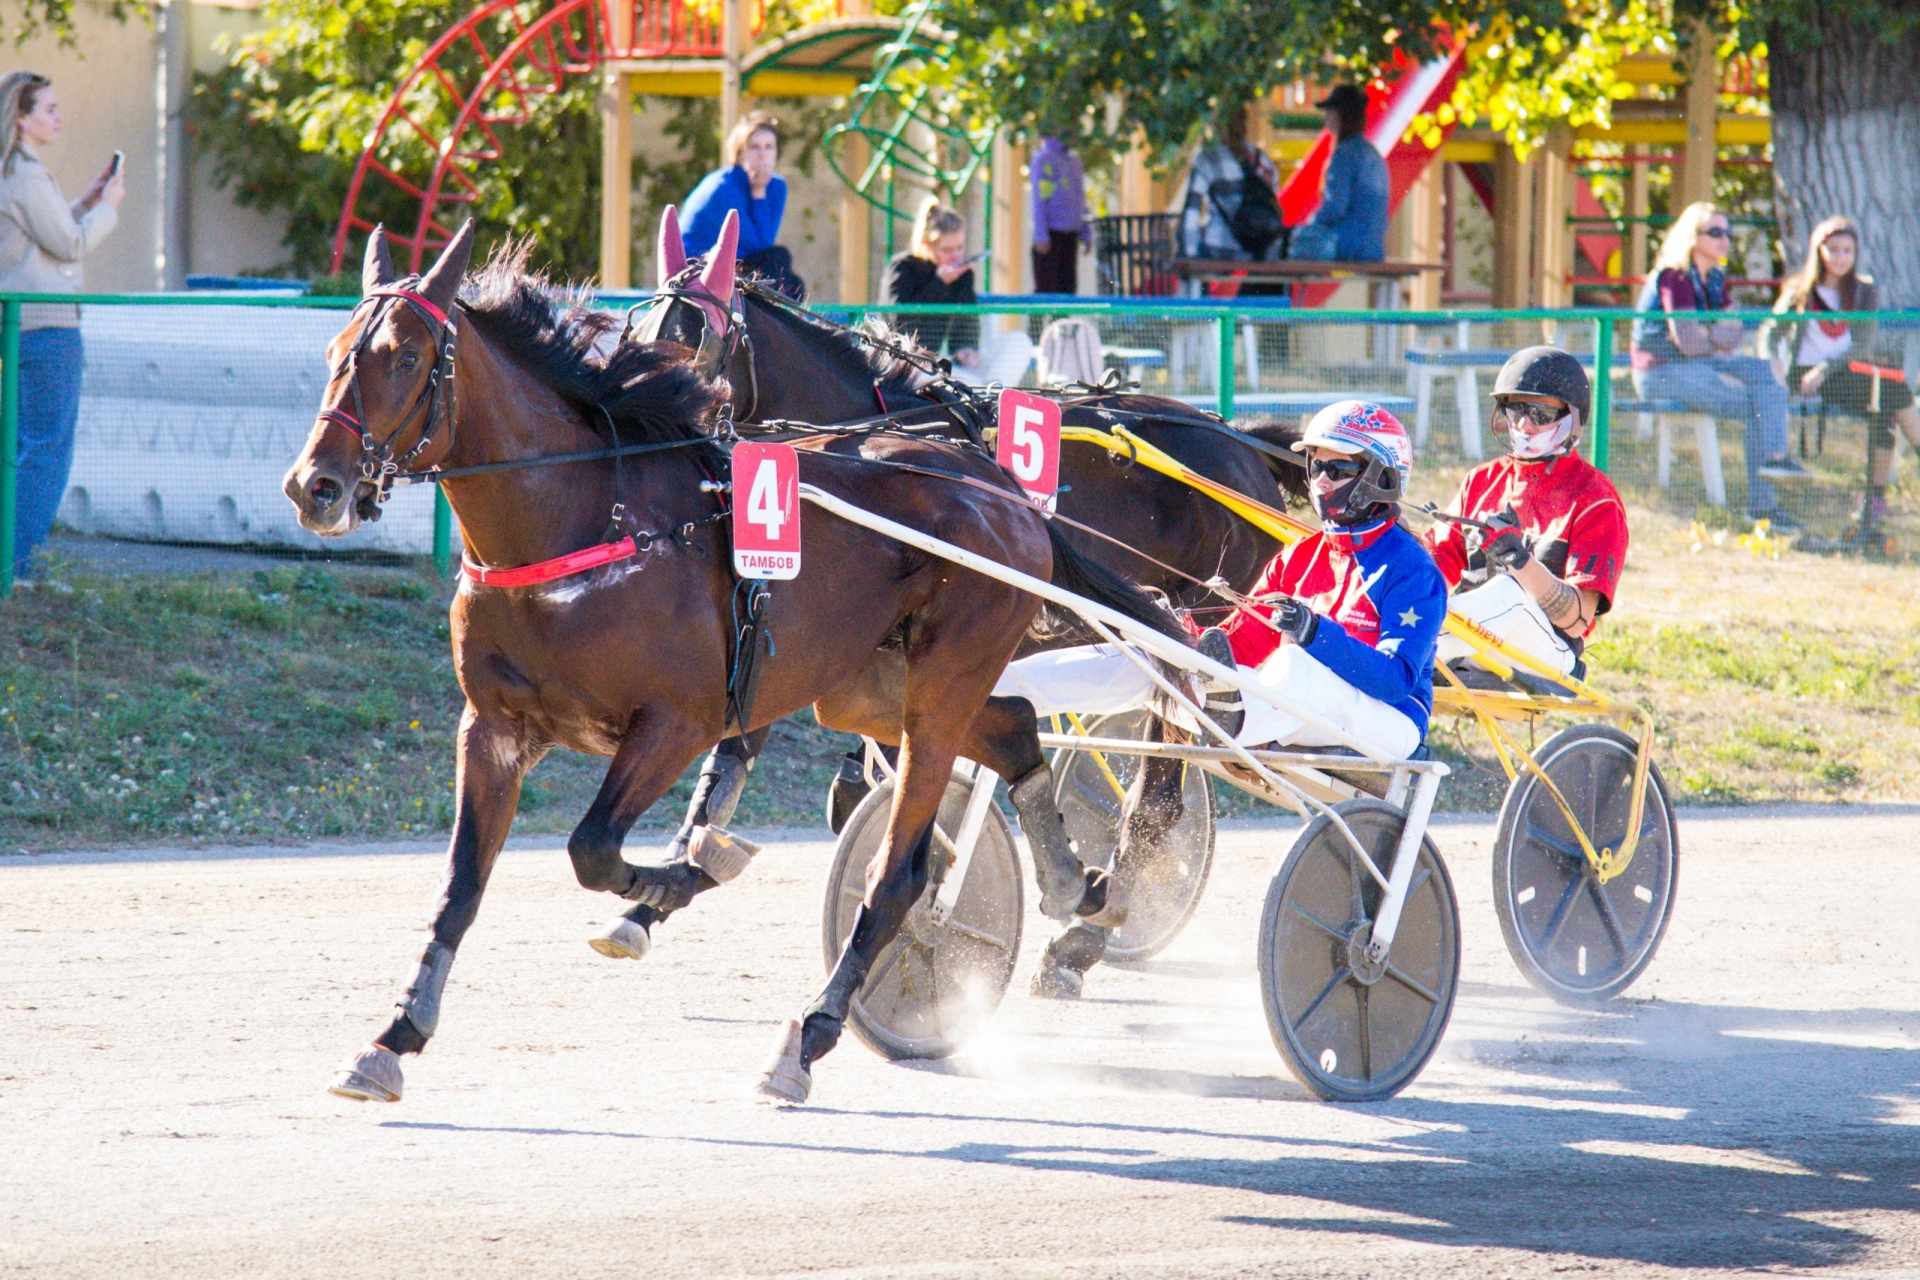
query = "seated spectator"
x=748 y=186
x=935 y=271
x=1351 y=223
x=1548 y=564
x=1816 y=354
x=1218 y=221
x=1681 y=353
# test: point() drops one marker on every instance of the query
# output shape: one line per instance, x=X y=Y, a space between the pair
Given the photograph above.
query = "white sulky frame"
x=1269 y=767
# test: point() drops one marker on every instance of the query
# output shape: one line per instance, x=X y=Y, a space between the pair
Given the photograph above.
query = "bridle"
x=715 y=353
x=378 y=465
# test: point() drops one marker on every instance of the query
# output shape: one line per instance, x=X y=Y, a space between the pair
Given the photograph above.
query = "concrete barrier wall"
x=189 y=419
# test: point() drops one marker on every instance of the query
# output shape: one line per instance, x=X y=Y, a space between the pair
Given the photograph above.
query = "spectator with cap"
x=747 y=185
x=1351 y=223
x=42 y=239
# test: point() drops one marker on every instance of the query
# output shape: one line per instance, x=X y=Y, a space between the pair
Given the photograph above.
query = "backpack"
x=1254 y=213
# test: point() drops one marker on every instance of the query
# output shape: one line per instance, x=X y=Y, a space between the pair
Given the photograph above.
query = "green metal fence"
x=1238 y=358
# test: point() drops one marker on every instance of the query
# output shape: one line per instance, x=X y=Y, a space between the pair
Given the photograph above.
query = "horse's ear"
x=717 y=276
x=443 y=279
x=377 y=271
x=673 y=251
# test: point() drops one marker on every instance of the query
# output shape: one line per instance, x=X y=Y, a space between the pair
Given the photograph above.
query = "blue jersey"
x=1381 y=602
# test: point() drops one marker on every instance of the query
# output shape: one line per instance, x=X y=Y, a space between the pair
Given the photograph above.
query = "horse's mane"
x=893 y=372
x=650 y=391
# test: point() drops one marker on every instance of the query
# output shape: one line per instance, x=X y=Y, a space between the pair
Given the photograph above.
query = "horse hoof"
x=785 y=1080
x=372 y=1075
x=1057 y=982
x=1101 y=905
x=622 y=939
x=1060 y=908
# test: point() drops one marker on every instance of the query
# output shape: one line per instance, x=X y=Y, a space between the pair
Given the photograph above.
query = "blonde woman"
x=1682 y=352
x=747 y=185
x=42 y=239
x=935 y=271
x=1817 y=355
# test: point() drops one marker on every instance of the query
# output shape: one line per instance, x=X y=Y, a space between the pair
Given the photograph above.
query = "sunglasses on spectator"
x=1530 y=411
x=1718 y=233
x=1336 y=468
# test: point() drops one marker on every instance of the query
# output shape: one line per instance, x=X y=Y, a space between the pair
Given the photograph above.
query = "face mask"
x=1538 y=444
x=1340 y=502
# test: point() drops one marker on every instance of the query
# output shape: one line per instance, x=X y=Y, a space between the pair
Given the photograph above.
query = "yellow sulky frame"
x=1490 y=707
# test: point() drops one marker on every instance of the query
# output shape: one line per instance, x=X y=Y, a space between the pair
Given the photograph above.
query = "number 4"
x=763 y=499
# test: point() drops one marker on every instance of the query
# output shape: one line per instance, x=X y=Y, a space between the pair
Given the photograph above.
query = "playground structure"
x=482 y=78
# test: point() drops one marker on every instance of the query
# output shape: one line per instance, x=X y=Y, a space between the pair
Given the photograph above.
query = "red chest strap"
x=550 y=570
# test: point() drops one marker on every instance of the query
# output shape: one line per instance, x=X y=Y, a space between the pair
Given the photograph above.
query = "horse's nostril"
x=326 y=491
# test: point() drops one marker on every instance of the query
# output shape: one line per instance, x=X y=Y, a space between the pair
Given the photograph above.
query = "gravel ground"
x=168 y=1020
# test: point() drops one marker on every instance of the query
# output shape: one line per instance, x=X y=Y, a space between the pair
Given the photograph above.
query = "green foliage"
x=29 y=18
x=286 y=120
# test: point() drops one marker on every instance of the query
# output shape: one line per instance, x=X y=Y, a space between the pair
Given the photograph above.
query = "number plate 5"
x=1029 y=445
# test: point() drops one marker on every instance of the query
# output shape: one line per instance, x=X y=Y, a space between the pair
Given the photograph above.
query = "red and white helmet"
x=1361 y=427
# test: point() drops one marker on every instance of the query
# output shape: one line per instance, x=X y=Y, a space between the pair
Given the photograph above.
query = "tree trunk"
x=1846 y=139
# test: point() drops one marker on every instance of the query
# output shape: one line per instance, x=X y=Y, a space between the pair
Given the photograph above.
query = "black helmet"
x=1546 y=371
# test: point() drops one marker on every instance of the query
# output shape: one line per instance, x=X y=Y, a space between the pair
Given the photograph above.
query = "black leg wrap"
x=1094 y=900
x=1055 y=865
x=401 y=1036
x=820 y=1026
x=818 y=1034
x=1067 y=959
x=667 y=887
x=723 y=779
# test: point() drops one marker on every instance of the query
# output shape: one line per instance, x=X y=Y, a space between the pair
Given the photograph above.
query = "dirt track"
x=167 y=1023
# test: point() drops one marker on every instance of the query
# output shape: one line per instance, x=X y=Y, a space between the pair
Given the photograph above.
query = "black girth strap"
x=752 y=635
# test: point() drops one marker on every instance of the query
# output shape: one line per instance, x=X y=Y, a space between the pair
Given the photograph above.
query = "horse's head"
x=390 y=389
x=694 y=308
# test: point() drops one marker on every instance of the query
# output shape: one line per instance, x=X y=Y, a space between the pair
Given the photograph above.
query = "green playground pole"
x=1602 y=447
x=1226 y=365
x=442 y=532
x=9 y=437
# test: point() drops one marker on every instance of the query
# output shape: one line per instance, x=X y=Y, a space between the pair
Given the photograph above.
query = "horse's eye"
x=408 y=358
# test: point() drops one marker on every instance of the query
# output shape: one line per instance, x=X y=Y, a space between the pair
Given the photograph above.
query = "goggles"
x=1337 y=468
x=1516 y=412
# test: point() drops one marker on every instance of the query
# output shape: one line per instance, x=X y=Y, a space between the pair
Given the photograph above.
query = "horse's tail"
x=1074 y=572
x=1282 y=433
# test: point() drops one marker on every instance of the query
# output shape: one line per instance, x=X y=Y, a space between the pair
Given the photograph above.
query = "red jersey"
x=1570 y=515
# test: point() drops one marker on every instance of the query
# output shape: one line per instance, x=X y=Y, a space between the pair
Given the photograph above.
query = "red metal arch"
x=441 y=126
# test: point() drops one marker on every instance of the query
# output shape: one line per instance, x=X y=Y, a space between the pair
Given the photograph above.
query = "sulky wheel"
x=935 y=984
x=1578 y=940
x=1351 y=1029
x=1162 y=886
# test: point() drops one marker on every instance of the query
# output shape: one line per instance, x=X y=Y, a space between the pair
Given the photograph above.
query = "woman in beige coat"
x=42 y=239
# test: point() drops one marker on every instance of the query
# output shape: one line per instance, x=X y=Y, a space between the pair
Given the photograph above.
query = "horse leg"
x=673 y=885
x=649 y=759
x=490 y=761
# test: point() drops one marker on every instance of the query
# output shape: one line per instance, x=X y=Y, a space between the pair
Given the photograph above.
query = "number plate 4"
x=766 y=510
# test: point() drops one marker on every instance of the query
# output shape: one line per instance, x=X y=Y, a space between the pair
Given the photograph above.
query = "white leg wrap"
x=372 y=1075
x=421 y=1003
x=720 y=854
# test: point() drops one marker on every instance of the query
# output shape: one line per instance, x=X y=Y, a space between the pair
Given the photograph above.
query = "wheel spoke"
x=1561 y=910
x=885 y=961
x=1316 y=922
x=1366 y=1033
x=979 y=935
x=1565 y=848
x=1340 y=975
x=1608 y=917
x=1411 y=983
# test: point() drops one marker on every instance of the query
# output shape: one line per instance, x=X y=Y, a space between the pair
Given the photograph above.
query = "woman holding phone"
x=42 y=239
x=936 y=271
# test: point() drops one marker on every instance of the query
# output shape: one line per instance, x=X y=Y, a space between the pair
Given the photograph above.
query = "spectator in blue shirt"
x=1351 y=224
x=747 y=186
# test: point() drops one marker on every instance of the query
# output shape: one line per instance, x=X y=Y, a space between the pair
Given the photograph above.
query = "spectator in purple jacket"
x=1060 y=223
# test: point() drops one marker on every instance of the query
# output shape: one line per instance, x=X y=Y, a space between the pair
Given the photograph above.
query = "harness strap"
x=559 y=567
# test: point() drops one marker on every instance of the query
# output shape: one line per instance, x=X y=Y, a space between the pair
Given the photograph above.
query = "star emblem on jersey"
x=1409 y=618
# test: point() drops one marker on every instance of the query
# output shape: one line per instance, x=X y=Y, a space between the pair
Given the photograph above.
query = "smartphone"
x=119 y=162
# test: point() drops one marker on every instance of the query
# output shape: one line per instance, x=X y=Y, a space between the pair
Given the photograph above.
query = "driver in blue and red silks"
x=1341 y=626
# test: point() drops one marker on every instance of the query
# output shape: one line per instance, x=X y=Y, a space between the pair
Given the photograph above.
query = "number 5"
x=1029 y=453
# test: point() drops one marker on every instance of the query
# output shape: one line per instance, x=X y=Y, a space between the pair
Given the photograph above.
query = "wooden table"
x=1198 y=271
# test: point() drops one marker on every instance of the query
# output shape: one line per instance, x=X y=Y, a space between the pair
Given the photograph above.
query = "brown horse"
x=630 y=659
